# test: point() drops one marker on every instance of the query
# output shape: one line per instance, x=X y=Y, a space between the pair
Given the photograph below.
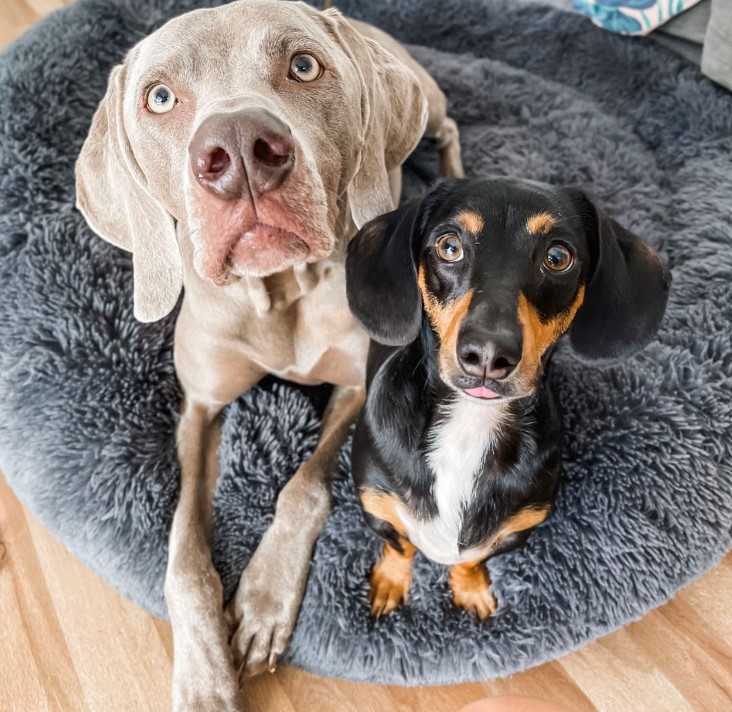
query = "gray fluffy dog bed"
x=88 y=397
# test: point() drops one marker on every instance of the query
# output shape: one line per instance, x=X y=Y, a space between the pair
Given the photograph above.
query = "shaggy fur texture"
x=88 y=397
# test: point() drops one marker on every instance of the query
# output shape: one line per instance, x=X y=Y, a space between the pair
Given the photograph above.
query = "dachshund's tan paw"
x=470 y=588
x=390 y=580
x=386 y=593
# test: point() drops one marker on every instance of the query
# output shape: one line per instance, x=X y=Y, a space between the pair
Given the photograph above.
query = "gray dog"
x=235 y=153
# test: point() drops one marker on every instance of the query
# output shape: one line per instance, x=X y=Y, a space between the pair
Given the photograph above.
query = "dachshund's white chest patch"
x=458 y=446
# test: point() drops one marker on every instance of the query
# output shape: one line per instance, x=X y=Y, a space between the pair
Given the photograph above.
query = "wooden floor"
x=16 y=16
x=68 y=642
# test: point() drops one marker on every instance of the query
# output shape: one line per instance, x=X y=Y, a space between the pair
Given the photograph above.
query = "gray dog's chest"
x=306 y=332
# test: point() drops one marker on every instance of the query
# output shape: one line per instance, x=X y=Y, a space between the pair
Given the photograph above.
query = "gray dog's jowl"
x=88 y=397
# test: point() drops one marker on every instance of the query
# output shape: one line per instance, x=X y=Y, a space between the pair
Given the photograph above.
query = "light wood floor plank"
x=550 y=681
x=17 y=16
x=97 y=628
x=33 y=604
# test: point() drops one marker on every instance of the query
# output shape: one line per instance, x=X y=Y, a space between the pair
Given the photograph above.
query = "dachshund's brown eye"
x=558 y=258
x=449 y=248
x=305 y=68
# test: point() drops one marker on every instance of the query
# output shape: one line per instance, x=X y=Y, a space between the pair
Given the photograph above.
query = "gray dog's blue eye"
x=160 y=99
x=305 y=68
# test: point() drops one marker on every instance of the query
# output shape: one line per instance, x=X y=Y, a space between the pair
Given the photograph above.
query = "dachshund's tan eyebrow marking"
x=540 y=223
x=470 y=221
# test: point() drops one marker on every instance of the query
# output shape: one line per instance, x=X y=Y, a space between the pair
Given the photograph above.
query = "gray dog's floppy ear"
x=394 y=116
x=111 y=193
x=381 y=276
x=626 y=292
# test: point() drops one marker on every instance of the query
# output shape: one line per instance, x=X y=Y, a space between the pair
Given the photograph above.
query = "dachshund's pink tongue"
x=481 y=392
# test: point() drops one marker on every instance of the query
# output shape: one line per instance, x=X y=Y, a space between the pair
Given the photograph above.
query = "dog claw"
x=386 y=598
x=471 y=591
x=257 y=646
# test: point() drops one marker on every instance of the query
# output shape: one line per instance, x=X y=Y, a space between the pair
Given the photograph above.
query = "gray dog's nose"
x=248 y=148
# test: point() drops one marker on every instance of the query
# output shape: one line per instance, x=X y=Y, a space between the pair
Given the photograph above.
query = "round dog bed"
x=88 y=396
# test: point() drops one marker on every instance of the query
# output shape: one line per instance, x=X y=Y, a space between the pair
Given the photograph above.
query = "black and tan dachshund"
x=464 y=293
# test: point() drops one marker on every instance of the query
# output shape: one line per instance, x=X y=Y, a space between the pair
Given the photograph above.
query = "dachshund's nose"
x=250 y=150
x=494 y=357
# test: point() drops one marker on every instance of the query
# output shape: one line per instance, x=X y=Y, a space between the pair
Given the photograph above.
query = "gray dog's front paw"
x=192 y=693
x=272 y=586
x=266 y=605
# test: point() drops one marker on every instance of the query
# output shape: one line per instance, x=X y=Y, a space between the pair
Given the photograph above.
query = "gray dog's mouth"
x=257 y=237
x=260 y=250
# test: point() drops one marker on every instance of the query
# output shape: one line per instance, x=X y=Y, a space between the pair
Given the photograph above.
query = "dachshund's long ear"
x=381 y=276
x=626 y=291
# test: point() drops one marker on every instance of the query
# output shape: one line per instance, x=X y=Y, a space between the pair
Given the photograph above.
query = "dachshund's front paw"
x=390 y=580
x=470 y=588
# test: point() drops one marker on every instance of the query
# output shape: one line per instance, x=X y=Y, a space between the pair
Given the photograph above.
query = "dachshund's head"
x=502 y=269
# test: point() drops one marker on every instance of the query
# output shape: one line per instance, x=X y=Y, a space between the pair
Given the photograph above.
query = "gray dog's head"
x=246 y=124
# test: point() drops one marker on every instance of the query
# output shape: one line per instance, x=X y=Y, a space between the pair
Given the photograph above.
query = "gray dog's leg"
x=212 y=375
x=272 y=586
x=203 y=673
